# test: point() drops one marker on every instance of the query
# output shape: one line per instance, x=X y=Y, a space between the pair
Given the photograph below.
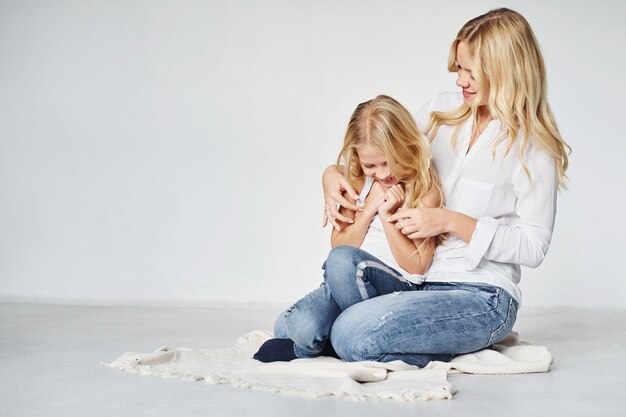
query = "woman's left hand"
x=418 y=223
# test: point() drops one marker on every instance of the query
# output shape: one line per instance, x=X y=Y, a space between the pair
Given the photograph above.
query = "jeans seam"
x=360 y=273
x=360 y=282
x=503 y=325
x=381 y=267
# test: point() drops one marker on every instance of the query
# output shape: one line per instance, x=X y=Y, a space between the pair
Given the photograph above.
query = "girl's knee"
x=342 y=255
x=341 y=264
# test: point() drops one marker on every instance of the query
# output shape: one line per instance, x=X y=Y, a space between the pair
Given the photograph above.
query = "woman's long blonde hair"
x=506 y=55
x=384 y=123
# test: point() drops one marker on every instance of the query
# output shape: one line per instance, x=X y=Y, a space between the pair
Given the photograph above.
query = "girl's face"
x=465 y=79
x=374 y=164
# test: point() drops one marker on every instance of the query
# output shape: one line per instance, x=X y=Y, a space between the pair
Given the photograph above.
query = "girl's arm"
x=352 y=234
x=413 y=255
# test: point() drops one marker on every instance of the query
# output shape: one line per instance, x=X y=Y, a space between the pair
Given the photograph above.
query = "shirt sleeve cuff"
x=479 y=243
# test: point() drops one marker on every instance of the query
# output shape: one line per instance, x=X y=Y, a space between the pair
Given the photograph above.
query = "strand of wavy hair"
x=506 y=52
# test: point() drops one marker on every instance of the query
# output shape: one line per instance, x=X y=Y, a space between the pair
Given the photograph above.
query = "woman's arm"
x=526 y=241
x=353 y=233
x=419 y=223
x=523 y=242
x=413 y=255
x=336 y=191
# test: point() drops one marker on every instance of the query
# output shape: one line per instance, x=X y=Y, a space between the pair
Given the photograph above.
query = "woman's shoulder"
x=533 y=153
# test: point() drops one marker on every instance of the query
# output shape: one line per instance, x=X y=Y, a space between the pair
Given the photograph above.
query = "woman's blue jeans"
x=370 y=312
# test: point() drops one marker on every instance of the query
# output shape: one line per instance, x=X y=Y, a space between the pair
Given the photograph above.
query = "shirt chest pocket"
x=502 y=201
x=471 y=197
x=483 y=199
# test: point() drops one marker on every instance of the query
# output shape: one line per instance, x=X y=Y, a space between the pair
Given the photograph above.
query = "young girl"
x=387 y=160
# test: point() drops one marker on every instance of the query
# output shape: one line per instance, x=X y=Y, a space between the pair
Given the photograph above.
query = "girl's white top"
x=375 y=242
x=515 y=213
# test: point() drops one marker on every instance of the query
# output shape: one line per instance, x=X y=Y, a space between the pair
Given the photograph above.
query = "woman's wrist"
x=458 y=224
x=449 y=225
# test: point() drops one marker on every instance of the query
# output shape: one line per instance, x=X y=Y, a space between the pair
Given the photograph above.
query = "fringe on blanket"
x=326 y=376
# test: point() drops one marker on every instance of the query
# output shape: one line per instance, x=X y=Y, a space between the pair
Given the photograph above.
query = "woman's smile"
x=468 y=95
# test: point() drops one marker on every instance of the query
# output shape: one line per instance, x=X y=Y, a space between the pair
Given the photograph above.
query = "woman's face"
x=465 y=79
x=374 y=164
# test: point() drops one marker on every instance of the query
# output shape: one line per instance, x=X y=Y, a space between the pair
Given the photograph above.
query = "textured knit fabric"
x=326 y=376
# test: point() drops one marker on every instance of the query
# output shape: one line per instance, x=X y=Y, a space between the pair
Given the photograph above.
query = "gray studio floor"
x=49 y=357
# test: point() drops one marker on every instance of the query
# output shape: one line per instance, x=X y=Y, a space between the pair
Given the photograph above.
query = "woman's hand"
x=418 y=223
x=393 y=200
x=335 y=186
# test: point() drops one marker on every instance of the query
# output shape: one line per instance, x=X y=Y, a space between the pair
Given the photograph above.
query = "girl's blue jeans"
x=370 y=312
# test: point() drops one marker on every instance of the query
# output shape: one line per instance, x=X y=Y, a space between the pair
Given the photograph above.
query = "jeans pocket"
x=490 y=294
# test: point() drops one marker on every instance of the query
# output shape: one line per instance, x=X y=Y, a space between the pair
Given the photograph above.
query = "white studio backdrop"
x=171 y=151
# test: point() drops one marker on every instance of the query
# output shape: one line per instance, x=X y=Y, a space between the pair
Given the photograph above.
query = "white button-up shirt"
x=515 y=213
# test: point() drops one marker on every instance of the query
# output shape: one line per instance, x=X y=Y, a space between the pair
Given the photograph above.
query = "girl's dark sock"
x=275 y=350
x=329 y=351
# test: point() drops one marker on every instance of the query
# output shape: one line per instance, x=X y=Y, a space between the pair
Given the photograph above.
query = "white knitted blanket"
x=326 y=376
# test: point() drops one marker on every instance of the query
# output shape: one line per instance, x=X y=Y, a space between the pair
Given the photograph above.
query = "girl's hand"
x=418 y=223
x=335 y=186
x=393 y=200
x=376 y=196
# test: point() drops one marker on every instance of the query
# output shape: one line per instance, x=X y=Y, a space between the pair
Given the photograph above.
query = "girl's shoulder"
x=358 y=185
x=432 y=199
x=362 y=187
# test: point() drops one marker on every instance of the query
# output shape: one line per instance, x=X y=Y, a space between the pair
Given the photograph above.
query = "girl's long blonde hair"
x=384 y=123
x=506 y=55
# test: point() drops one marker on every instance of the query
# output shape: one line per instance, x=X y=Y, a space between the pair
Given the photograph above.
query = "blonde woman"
x=500 y=158
x=387 y=159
